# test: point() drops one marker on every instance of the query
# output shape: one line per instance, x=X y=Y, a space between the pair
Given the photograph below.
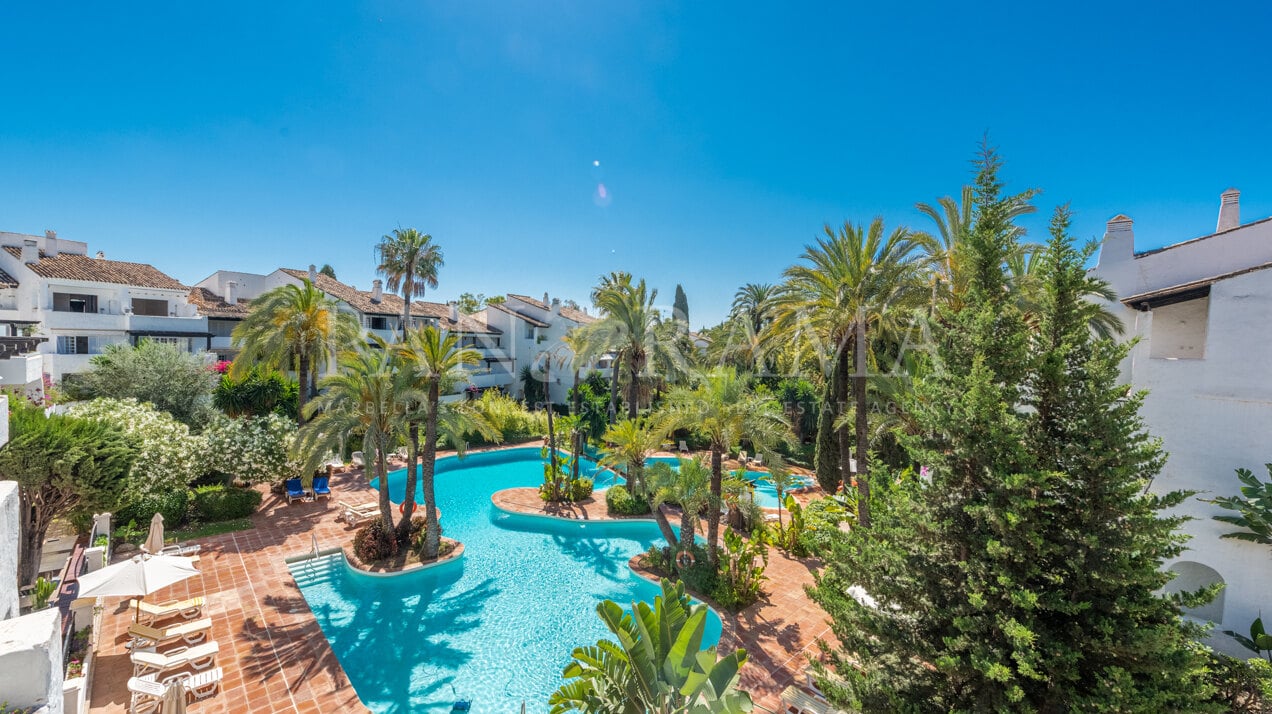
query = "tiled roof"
x=567 y=312
x=504 y=308
x=391 y=304
x=7 y=281
x=212 y=305
x=73 y=266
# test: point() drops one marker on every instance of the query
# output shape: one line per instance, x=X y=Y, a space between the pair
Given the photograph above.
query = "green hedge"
x=224 y=503
x=621 y=501
x=173 y=505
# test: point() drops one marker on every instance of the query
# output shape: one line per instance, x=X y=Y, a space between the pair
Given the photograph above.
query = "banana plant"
x=656 y=666
x=1259 y=641
x=1254 y=505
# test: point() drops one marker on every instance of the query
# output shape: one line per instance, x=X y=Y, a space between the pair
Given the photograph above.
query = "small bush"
x=620 y=501
x=581 y=489
x=1241 y=686
x=174 y=505
x=700 y=578
x=224 y=503
x=375 y=542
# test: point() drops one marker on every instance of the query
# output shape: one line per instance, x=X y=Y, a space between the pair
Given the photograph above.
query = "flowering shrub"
x=169 y=457
x=254 y=449
x=221 y=367
x=375 y=542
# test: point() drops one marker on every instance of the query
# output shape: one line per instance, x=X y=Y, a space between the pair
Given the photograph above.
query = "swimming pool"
x=765 y=494
x=496 y=625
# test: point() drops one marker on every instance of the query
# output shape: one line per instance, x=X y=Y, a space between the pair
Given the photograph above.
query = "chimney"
x=230 y=286
x=101 y=255
x=1119 y=240
x=1229 y=210
x=50 y=243
x=454 y=311
x=545 y=299
x=556 y=306
x=377 y=291
x=313 y=273
x=30 y=252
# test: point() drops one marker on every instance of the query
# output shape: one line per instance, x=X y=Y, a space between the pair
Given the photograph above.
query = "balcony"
x=159 y=324
x=75 y=321
x=496 y=378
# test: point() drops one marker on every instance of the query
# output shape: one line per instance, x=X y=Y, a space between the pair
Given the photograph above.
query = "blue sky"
x=249 y=136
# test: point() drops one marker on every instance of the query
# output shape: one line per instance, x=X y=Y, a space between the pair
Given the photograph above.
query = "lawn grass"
x=203 y=530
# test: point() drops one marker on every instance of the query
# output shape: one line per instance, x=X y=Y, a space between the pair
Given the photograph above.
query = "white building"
x=52 y=289
x=532 y=332
x=1201 y=310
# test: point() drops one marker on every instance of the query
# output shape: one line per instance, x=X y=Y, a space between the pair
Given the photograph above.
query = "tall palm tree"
x=754 y=302
x=409 y=261
x=723 y=409
x=366 y=396
x=430 y=359
x=688 y=486
x=856 y=283
x=293 y=325
x=635 y=329
x=628 y=444
x=578 y=347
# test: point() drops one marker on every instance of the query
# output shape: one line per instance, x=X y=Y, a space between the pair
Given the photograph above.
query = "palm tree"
x=656 y=665
x=857 y=283
x=578 y=347
x=783 y=481
x=689 y=487
x=365 y=395
x=634 y=328
x=296 y=324
x=430 y=358
x=409 y=261
x=723 y=409
x=630 y=443
x=754 y=302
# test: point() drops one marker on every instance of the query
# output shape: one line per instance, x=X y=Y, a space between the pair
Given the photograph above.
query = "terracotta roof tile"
x=7 y=281
x=210 y=304
x=391 y=304
x=73 y=266
x=567 y=312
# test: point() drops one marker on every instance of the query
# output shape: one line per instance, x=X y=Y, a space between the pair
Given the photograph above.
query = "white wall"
x=31 y=660
x=1213 y=412
x=8 y=546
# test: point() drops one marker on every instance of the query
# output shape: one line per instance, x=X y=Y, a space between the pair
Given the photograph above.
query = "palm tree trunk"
x=407 y=289
x=688 y=526
x=552 y=453
x=713 y=510
x=663 y=525
x=633 y=388
x=408 y=503
x=302 y=393
x=613 y=404
x=863 y=428
x=845 y=432
x=381 y=473
x=432 y=528
x=577 y=436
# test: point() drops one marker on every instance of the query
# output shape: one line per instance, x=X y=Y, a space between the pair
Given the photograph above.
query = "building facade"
x=1200 y=311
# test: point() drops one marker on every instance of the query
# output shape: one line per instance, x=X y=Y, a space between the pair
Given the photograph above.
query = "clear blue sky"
x=248 y=136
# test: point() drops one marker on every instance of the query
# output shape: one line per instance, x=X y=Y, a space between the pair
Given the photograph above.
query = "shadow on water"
x=601 y=555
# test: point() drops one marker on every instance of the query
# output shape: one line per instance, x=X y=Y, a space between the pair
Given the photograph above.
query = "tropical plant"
x=257 y=393
x=783 y=481
x=856 y=284
x=634 y=328
x=688 y=486
x=656 y=664
x=1259 y=641
x=627 y=445
x=618 y=500
x=363 y=397
x=754 y=303
x=1254 y=507
x=62 y=464
x=409 y=261
x=293 y=325
x=166 y=456
x=41 y=592
x=741 y=569
x=533 y=390
x=724 y=410
x=507 y=418
x=1241 y=686
x=173 y=380
x=431 y=359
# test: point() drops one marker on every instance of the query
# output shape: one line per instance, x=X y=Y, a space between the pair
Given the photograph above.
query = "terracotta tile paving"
x=276 y=659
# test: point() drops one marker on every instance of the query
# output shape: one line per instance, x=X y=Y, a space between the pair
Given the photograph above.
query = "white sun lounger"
x=684 y=448
x=191 y=633
x=199 y=657
x=353 y=514
x=147 y=691
x=148 y=613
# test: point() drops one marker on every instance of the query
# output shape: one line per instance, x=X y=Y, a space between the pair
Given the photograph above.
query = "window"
x=1179 y=330
x=144 y=306
x=529 y=331
x=72 y=345
x=378 y=322
x=72 y=302
x=221 y=328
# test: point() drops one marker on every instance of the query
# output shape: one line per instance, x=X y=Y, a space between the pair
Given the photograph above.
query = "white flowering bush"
x=168 y=456
x=254 y=449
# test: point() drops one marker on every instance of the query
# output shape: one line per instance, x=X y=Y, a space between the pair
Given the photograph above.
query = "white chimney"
x=454 y=311
x=1119 y=240
x=1229 y=210
x=50 y=243
x=101 y=255
x=30 y=252
x=230 y=287
x=313 y=273
x=545 y=299
x=377 y=291
x=556 y=306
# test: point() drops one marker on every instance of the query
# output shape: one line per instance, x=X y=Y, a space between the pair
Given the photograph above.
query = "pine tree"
x=680 y=307
x=1009 y=581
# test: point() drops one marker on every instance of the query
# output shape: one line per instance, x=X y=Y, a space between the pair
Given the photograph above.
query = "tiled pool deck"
x=276 y=659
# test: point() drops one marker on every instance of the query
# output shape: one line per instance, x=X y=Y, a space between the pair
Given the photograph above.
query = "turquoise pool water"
x=497 y=625
x=765 y=494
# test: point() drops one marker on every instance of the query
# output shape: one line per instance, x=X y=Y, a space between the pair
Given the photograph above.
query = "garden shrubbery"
x=580 y=489
x=621 y=502
x=224 y=503
x=375 y=542
x=508 y=417
x=174 y=504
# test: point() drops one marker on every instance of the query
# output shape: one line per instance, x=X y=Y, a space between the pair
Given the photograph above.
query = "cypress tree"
x=1010 y=581
x=826 y=458
x=680 y=307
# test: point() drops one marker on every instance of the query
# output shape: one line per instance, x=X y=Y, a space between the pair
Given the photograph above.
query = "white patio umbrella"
x=138 y=576
x=174 y=698
x=154 y=539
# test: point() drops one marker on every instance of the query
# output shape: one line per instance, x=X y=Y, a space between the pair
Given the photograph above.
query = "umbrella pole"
x=137 y=614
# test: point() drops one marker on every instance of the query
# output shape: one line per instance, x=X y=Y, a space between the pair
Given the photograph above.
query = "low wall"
x=31 y=660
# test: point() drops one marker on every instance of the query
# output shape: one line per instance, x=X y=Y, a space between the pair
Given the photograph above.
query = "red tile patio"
x=276 y=659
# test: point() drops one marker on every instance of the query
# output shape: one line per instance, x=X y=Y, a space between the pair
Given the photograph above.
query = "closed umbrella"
x=137 y=577
x=154 y=540
x=174 y=699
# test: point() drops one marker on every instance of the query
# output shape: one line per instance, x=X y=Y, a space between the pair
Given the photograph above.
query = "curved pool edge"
x=604 y=519
x=455 y=556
